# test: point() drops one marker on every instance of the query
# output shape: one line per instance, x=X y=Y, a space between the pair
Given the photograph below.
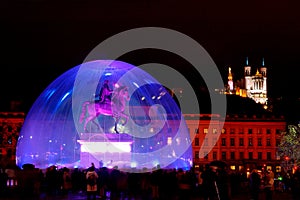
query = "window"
x=268 y=131
x=277 y=142
x=205 y=141
x=232 y=131
x=259 y=155
x=215 y=131
x=9 y=153
x=232 y=142
x=223 y=131
x=197 y=130
x=196 y=141
x=241 y=141
x=250 y=142
x=269 y=157
x=205 y=155
x=241 y=131
x=259 y=142
x=250 y=154
x=268 y=142
x=250 y=131
x=278 y=131
x=232 y=155
x=196 y=154
x=214 y=141
x=259 y=131
x=223 y=155
x=241 y=155
x=9 y=139
x=214 y=155
x=223 y=142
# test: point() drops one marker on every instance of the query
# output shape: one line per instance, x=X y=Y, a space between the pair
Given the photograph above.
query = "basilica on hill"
x=252 y=85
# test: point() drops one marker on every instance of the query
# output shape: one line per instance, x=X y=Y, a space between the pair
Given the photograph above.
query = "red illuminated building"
x=10 y=126
x=244 y=142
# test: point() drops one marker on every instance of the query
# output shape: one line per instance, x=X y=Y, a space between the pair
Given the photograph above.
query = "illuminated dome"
x=107 y=112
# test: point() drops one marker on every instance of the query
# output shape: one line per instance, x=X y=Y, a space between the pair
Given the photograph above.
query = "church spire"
x=230 y=81
x=229 y=74
x=263 y=62
x=247 y=62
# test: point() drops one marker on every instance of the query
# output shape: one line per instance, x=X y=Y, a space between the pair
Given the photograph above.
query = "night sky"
x=41 y=39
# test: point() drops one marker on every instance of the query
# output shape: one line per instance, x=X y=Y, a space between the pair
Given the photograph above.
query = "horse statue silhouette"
x=115 y=108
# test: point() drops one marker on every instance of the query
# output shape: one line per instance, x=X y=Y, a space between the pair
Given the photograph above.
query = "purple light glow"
x=154 y=133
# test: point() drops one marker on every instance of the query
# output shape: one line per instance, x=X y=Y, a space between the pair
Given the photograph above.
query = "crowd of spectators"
x=210 y=183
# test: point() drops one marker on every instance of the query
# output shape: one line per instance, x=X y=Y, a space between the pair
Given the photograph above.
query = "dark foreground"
x=13 y=195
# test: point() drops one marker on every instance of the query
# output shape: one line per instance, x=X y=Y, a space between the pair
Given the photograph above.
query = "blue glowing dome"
x=107 y=112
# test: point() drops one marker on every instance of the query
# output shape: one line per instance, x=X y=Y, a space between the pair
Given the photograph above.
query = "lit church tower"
x=256 y=85
x=247 y=73
x=263 y=71
x=230 y=81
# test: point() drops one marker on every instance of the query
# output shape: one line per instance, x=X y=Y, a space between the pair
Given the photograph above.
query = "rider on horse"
x=105 y=93
x=116 y=108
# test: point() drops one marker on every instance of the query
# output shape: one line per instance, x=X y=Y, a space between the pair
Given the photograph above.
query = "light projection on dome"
x=107 y=112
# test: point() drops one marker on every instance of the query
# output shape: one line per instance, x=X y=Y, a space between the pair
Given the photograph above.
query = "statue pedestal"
x=109 y=149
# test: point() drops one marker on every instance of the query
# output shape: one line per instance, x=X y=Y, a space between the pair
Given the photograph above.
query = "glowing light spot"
x=133 y=165
x=169 y=141
x=134 y=83
x=49 y=94
x=65 y=96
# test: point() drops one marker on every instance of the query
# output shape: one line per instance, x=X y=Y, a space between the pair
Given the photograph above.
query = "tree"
x=289 y=147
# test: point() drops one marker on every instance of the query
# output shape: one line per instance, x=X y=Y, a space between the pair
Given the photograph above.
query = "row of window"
x=10 y=128
x=232 y=155
x=233 y=142
x=239 y=130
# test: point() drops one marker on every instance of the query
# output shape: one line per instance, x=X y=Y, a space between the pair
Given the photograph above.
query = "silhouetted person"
x=3 y=182
x=91 y=186
x=209 y=183
x=295 y=185
x=223 y=183
x=103 y=181
x=269 y=183
x=76 y=180
x=52 y=180
x=254 y=184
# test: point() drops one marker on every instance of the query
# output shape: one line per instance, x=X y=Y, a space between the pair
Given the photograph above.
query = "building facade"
x=10 y=127
x=243 y=142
